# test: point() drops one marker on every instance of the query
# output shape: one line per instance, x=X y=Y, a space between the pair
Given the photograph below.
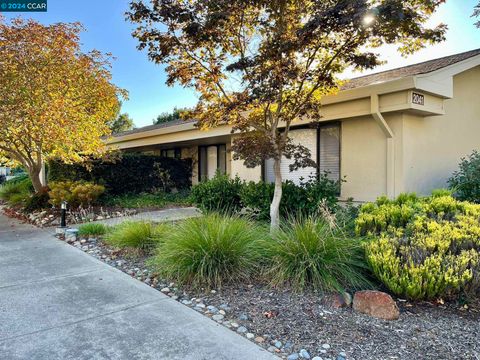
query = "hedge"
x=132 y=173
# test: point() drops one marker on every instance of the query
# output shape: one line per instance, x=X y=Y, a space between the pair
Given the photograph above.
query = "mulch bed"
x=286 y=323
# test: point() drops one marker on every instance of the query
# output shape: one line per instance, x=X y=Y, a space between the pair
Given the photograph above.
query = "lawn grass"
x=150 y=200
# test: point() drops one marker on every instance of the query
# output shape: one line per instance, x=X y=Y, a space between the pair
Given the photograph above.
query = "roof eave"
x=385 y=87
x=154 y=132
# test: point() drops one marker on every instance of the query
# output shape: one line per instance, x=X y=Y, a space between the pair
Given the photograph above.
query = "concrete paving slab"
x=68 y=299
x=162 y=330
x=57 y=302
x=41 y=260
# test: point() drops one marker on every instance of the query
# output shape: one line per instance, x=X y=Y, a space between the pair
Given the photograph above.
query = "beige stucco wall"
x=434 y=145
x=237 y=168
x=192 y=153
x=364 y=157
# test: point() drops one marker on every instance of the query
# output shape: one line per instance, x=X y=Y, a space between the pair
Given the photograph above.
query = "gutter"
x=390 y=136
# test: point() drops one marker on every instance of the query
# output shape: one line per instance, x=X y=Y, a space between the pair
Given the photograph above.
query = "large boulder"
x=337 y=300
x=377 y=304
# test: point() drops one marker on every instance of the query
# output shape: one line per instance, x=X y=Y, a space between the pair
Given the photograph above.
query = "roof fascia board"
x=367 y=91
x=154 y=132
x=440 y=81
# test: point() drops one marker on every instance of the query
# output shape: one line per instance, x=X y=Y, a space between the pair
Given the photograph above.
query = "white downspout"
x=377 y=115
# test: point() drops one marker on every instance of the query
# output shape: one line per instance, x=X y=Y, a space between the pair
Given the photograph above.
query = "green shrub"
x=424 y=248
x=465 y=182
x=307 y=252
x=387 y=215
x=255 y=198
x=138 y=173
x=302 y=199
x=76 y=193
x=16 y=191
x=38 y=200
x=224 y=194
x=218 y=194
x=136 y=234
x=92 y=229
x=211 y=250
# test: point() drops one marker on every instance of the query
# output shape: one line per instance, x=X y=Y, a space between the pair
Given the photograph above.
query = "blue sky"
x=107 y=31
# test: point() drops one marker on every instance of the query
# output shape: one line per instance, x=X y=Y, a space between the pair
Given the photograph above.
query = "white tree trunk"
x=43 y=175
x=277 y=196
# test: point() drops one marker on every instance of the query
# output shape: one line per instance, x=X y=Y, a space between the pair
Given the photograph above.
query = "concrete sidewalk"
x=57 y=302
x=171 y=214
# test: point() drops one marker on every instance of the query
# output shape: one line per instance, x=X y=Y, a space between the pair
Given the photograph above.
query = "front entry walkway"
x=57 y=302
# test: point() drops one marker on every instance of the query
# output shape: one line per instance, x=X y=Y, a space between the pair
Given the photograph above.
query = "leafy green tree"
x=55 y=99
x=476 y=13
x=263 y=65
x=123 y=122
x=168 y=116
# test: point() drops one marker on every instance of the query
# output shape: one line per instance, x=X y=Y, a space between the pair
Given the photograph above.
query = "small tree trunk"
x=34 y=174
x=43 y=174
x=277 y=196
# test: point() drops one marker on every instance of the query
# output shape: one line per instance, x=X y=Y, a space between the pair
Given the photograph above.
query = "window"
x=210 y=160
x=324 y=145
x=329 y=151
x=172 y=153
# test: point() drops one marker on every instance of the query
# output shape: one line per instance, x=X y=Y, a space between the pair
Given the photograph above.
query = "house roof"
x=358 y=82
x=154 y=127
x=411 y=70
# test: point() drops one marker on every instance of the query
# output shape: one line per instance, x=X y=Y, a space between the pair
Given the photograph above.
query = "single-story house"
x=401 y=130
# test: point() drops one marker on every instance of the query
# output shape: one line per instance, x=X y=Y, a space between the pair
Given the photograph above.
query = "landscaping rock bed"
x=51 y=217
x=303 y=326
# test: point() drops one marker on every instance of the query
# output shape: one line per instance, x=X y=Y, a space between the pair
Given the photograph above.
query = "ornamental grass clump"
x=16 y=191
x=435 y=253
x=136 y=234
x=310 y=252
x=211 y=250
x=92 y=229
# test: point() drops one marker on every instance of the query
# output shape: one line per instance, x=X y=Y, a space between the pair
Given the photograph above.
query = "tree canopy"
x=169 y=116
x=122 y=122
x=476 y=13
x=262 y=66
x=55 y=100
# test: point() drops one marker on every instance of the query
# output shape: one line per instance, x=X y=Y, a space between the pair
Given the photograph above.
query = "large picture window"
x=324 y=146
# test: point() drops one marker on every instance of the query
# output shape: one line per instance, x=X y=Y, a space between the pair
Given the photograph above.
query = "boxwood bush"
x=424 y=248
